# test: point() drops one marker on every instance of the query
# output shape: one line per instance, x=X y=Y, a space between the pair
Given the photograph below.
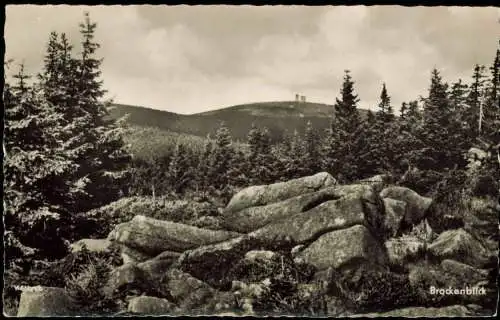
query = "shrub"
x=102 y=220
x=485 y=185
x=85 y=290
x=421 y=181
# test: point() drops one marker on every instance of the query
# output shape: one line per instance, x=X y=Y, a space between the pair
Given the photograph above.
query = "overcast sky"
x=189 y=59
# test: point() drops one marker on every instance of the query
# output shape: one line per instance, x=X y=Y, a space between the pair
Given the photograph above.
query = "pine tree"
x=294 y=168
x=442 y=131
x=89 y=138
x=204 y=167
x=179 y=169
x=222 y=158
x=340 y=153
x=31 y=164
x=376 y=141
x=311 y=155
x=385 y=111
x=347 y=119
x=492 y=99
x=475 y=101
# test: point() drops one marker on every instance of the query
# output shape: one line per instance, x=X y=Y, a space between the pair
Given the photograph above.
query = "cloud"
x=194 y=58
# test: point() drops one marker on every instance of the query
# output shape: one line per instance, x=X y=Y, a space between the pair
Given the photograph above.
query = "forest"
x=65 y=159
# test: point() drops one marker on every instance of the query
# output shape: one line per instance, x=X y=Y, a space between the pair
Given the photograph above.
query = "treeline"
x=427 y=141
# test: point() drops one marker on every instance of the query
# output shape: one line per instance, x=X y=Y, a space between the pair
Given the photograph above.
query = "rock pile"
x=298 y=230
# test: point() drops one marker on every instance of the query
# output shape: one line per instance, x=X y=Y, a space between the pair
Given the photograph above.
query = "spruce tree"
x=222 y=158
x=311 y=155
x=31 y=163
x=475 y=102
x=442 y=131
x=90 y=139
x=345 y=129
x=179 y=170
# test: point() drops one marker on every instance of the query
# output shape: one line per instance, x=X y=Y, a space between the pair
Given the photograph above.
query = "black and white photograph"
x=238 y=160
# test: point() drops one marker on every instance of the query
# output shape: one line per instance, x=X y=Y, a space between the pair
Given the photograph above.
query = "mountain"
x=279 y=117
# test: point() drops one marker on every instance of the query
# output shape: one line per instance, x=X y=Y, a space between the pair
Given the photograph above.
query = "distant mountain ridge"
x=278 y=116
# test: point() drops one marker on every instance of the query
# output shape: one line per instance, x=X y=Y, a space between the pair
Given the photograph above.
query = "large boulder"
x=145 y=305
x=156 y=267
x=193 y=296
x=338 y=248
x=127 y=275
x=153 y=236
x=307 y=226
x=92 y=245
x=394 y=214
x=459 y=245
x=212 y=263
x=467 y=274
x=404 y=249
x=130 y=255
x=253 y=218
x=266 y=194
x=44 y=301
x=416 y=205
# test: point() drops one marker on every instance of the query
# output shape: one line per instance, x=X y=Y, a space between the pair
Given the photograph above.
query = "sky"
x=190 y=59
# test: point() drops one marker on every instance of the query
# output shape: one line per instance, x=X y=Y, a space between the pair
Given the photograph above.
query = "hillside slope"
x=278 y=117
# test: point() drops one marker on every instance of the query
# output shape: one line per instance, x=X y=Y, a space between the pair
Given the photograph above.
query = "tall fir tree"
x=340 y=153
x=311 y=155
x=442 y=131
x=179 y=169
x=33 y=223
x=90 y=138
x=473 y=115
x=222 y=158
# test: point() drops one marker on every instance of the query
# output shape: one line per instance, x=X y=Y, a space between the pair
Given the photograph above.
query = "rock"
x=378 y=181
x=262 y=255
x=131 y=256
x=189 y=293
x=44 y=301
x=248 y=293
x=404 y=249
x=297 y=249
x=467 y=274
x=157 y=266
x=306 y=226
x=449 y=311
x=459 y=245
x=92 y=245
x=341 y=247
x=266 y=194
x=394 y=214
x=153 y=236
x=211 y=263
x=416 y=205
x=150 y=306
x=253 y=218
x=125 y=275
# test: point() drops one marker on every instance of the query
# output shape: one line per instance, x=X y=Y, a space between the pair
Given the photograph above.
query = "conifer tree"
x=222 y=158
x=31 y=163
x=179 y=169
x=441 y=131
x=345 y=128
x=90 y=139
x=294 y=168
x=475 y=102
x=311 y=155
x=204 y=167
